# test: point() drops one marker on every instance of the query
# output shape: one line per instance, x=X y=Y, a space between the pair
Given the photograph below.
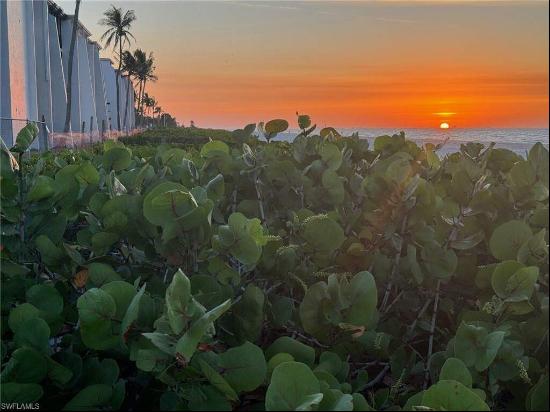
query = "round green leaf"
x=45 y=298
x=449 y=395
x=93 y=397
x=323 y=234
x=508 y=238
x=454 y=369
x=20 y=393
x=298 y=350
x=20 y=314
x=244 y=367
x=293 y=387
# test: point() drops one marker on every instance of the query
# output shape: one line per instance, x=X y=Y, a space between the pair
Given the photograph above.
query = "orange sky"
x=361 y=63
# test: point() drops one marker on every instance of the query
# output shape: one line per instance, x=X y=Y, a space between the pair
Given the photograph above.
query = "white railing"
x=56 y=140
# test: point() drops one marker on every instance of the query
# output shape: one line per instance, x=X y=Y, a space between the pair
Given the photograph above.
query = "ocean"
x=517 y=140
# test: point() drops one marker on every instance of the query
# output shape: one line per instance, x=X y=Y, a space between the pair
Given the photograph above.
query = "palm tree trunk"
x=127 y=102
x=118 y=84
x=139 y=101
x=70 y=68
x=142 y=95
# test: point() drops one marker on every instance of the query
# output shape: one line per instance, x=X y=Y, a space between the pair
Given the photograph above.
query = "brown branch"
x=431 y=340
x=378 y=377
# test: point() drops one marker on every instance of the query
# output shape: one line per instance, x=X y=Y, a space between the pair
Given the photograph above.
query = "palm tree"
x=70 y=68
x=150 y=103
x=158 y=111
x=129 y=65
x=145 y=72
x=118 y=33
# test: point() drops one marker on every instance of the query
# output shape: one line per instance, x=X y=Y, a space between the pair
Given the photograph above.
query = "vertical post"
x=103 y=129
x=91 y=130
x=82 y=131
x=43 y=139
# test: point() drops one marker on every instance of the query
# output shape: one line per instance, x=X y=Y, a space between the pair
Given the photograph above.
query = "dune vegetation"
x=235 y=273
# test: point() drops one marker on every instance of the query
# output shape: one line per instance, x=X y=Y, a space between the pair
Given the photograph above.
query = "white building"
x=35 y=38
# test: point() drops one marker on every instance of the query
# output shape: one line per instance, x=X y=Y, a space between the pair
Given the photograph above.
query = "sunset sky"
x=346 y=63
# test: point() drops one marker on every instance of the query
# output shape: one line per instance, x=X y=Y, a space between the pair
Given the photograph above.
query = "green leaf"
x=508 y=238
x=468 y=242
x=42 y=188
x=537 y=398
x=440 y=262
x=535 y=250
x=49 y=252
x=214 y=149
x=122 y=294
x=103 y=241
x=102 y=273
x=218 y=381
x=207 y=398
x=339 y=302
x=96 y=309
x=20 y=314
x=331 y=155
x=454 y=369
x=117 y=158
x=449 y=395
x=131 y=313
x=304 y=121
x=336 y=400
x=58 y=373
x=35 y=333
x=216 y=188
x=247 y=316
x=155 y=213
x=298 y=350
x=244 y=367
x=513 y=282
x=362 y=298
x=46 y=298
x=276 y=126
x=476 y=347
x=323 y=234
x=164 y=342
x=25 y=137
x=93 y=397
x=20 y=393
x=187 y=344
x=538 y=157
x=178 y=294
x=103 y=371
x=328 y=132
x=293 y=387
x=25 y=366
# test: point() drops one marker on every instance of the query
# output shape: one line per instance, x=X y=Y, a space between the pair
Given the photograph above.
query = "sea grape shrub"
x=330 y=273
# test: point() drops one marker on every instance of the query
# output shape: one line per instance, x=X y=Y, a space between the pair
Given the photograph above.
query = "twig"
x=306 y=338
x=21 y=206
x=394 y=302
x=431 y=340
x=395 y=267
x=544 y=338
x=420 y=314
x=259 y=195
x=234 y=203
x=378 y=377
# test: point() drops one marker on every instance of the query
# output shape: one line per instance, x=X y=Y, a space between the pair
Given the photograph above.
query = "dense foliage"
x=315 y=275
x=188 y=136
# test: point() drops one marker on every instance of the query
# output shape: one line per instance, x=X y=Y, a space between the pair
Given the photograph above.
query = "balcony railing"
x=56 y=140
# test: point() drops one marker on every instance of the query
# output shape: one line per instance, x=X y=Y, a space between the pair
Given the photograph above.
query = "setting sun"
x=444 y=126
